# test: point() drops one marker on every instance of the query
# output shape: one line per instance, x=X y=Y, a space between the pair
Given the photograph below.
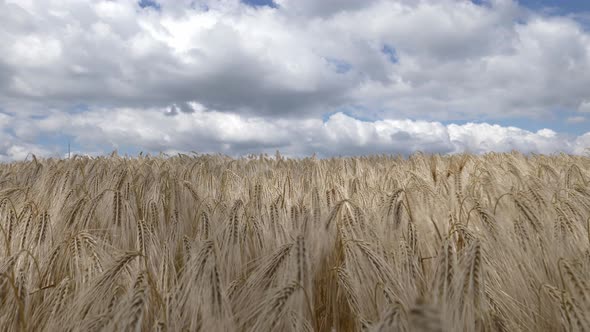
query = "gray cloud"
x=453 y=57
x=117 y=54
x=312 y=8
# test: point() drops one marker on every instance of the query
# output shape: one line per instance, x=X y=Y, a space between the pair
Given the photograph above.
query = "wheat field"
x=498 y=242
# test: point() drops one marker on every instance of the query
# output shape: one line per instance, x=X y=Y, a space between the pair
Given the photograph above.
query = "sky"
x=330 y=77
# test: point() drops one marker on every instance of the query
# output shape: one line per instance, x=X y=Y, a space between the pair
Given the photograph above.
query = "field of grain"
x=498 y=242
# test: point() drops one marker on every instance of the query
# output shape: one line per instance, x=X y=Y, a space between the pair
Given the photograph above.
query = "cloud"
x=272 y=61
x=575 y=119
x=13 y=147
x=206 y=131
x=483 y=137
x=312 y=8
x=279 y=70
x=584 y=107
x=117 y=53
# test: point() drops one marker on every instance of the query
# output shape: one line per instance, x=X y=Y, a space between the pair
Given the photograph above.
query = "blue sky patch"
x=579 y=10
x=390 y=52
x=558 y=6
x=260 y=3
x=353 y=112
x=340 y=66
x=149 y=4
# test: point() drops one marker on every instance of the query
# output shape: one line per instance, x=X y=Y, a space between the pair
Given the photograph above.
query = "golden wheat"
x=497 y=242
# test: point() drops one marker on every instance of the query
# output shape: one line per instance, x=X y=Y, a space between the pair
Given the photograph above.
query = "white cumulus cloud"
x=206 y=131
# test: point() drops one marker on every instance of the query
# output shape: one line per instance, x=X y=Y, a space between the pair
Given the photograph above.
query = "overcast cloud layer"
x=335 y=77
